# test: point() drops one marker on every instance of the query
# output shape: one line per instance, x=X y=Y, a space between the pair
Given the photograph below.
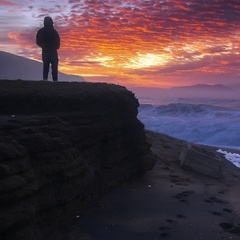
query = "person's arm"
x=39 y=41
x=57 y=40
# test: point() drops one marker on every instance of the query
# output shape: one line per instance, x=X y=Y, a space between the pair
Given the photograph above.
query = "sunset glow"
x=132 y=42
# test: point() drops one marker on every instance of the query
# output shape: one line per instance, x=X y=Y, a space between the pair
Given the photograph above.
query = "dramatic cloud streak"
x=133 y=42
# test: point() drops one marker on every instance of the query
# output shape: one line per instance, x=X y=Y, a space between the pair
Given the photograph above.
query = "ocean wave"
x=198 y=123
x=190 y=110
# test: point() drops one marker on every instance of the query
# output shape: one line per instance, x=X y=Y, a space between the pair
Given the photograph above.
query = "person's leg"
x=46 y=63
x=54 y=63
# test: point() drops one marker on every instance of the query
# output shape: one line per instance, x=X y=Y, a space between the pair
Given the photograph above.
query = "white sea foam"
x=232 y=157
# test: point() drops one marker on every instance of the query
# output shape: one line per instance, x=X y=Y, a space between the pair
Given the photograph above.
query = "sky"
x=154 y=43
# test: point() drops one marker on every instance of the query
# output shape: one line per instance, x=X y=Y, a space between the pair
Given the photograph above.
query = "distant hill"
x=194 y=89
x=206 y=87
x=217 y=91
x=14 y=67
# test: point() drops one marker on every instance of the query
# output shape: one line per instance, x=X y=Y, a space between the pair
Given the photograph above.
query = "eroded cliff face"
x=62 y=147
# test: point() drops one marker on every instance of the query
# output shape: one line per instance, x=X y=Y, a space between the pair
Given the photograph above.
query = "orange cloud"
x=142 y=42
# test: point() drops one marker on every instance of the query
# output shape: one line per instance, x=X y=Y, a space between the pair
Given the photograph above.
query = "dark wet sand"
x=166 y=203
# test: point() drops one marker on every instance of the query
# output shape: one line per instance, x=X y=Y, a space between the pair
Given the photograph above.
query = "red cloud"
x=103 y=37
x=8 y=3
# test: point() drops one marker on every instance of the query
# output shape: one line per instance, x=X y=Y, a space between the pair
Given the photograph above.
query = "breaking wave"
x=198 y=123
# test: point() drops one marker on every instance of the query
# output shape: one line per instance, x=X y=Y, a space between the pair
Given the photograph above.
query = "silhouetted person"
x=48 y=39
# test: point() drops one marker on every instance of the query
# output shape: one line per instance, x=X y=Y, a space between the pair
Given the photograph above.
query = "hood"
x=48 y=22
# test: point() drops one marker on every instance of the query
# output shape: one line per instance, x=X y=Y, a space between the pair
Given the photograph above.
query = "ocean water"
x=206 y=121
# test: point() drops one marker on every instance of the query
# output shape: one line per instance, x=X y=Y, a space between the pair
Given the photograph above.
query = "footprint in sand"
x=183 y=195
x=165 y=231
x=165 y=235
x=178 y=180
x=220 y=214
x=230 y=227
x=181 y=216
x=216 y=200
x=171 y=221
x=222 y=192
x=163 y=228
x=216 y=213
x=227 y=210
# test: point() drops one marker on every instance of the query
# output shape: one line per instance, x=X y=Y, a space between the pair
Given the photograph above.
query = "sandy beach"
x=166 y=203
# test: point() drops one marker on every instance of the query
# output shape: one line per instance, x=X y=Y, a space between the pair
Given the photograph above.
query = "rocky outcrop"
x=207 y=161
x=203 y=162
x=195 y=158
x=62 y=147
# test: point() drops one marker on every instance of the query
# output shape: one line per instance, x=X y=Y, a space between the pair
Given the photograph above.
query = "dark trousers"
x=50 y=58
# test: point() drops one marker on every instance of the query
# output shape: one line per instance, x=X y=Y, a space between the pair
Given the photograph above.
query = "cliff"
x=63 y=146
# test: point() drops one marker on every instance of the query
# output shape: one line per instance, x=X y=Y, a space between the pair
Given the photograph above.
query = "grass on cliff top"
x=49 y=88
x=38 y=96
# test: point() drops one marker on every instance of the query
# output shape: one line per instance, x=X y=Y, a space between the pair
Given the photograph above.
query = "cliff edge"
x=63 y=146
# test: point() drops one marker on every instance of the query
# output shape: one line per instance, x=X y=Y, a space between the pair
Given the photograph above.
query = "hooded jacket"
x=47 y=37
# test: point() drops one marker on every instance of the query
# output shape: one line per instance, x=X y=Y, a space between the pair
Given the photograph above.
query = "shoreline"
x=168 y=202
x=228 y=149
